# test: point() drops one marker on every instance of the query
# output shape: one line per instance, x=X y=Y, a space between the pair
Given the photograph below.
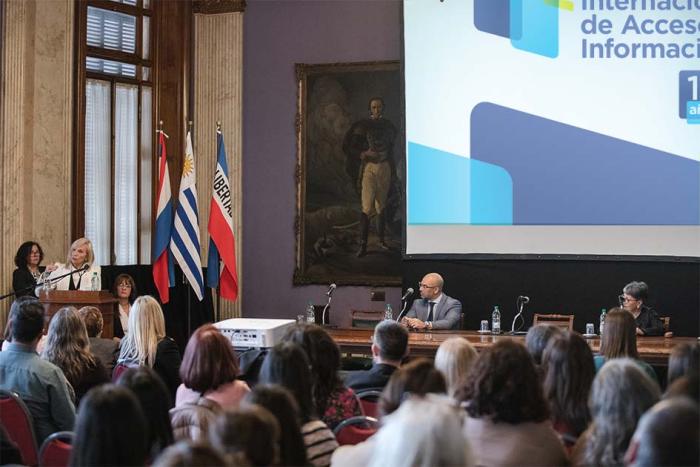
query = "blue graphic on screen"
x=531 y=25
x=446 y=188
x=564 y=175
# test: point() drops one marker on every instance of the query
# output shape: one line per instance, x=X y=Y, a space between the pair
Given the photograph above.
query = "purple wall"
x=278 y=34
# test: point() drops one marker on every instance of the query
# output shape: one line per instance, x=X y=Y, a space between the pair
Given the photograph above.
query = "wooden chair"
x=355 y=430
x=55 y=450
x=17 y=420
x=561 y=321
x=366 y=319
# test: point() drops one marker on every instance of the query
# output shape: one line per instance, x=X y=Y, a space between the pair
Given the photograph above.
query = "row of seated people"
x=505 y=406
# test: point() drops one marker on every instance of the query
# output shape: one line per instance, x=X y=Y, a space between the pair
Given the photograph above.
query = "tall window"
x=115 y=136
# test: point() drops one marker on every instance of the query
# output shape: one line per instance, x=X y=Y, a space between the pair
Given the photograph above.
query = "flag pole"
x=218 y=284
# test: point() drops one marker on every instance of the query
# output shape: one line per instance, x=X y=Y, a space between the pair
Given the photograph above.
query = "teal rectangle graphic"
x=534 y=27
x=692 y=112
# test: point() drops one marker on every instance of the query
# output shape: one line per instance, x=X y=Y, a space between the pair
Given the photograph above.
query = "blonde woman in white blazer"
x=79 y=256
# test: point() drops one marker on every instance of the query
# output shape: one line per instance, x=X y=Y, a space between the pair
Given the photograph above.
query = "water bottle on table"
x=496 y=320
x=310 y=313
x=388 y=312
x=94 y=282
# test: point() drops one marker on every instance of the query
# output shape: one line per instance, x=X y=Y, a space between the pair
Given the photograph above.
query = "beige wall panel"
x=218 y=96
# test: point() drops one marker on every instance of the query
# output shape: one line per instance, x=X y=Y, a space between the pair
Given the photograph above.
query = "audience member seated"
x=667 y=434
x=619 y=340
x=568 y=375
x=106 y=350
x=621 y=393
x=209 y=369
x=508 y=422
x=124 y=290
x=110 y=429
x=647 y=321
x=68 y=347
x=334 y=401
x=389 y=347
x=189 y=454
x=287 y=365
x=684 y=361
x=153 y=400
x=7 y=335
x=79 y=270
x=282 y=405
x=454 y=359
x=417 y=378
x=29 y=269
x=247 y=436
x=422 y=432
x=537 y=339
x=41 y=384
x=688 y=386
x=147 y=345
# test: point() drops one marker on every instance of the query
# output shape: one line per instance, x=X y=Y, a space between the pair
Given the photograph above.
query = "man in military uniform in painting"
x=368 y=145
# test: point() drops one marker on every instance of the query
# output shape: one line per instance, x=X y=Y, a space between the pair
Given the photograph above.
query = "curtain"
x=125 y=174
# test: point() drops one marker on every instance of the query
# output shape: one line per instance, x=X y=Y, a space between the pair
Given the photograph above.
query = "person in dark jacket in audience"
x=106 y=350
x=389 y=347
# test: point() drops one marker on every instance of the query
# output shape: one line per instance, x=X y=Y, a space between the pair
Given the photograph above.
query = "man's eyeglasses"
x=426 y=286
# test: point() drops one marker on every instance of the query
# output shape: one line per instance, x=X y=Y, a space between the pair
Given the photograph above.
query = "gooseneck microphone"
x=329 y=294
x=520 y=303
x=524 y=299
x=404 y=299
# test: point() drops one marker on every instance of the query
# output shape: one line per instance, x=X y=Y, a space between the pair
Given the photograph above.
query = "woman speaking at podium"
x=80 y=264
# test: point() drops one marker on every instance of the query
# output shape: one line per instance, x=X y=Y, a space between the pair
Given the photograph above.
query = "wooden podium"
x=54 y=300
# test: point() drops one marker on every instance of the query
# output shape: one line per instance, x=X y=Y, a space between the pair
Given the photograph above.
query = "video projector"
x=245 y=333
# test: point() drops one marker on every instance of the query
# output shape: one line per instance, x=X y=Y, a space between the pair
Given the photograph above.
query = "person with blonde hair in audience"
x=508 y=422
x=417 y=378
x=621 y=393
x=106 y=350
x=209 y=369
x=620 y=341
x=79 y=269
x=147 y=345
x=111 y=429
x=287 y=365
x=247 y=436
x=454 y=359
x=68 y=347
x=568 y=376
x=423 y=432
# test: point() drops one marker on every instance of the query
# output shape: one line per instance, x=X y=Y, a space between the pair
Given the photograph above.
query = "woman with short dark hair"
x=619 y=340
x=110 y=429
x=634 y=299
x=248 y=436
x=508 y=418
x=29 y=269
x=209 y=369
x=287 y=365
x=152 y=395
x=334 y=401
x=568 y=376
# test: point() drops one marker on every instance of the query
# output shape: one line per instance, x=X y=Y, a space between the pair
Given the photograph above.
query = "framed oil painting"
x=350 y=169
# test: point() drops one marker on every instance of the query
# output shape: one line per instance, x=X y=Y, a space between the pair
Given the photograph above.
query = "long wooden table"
x=654 y=350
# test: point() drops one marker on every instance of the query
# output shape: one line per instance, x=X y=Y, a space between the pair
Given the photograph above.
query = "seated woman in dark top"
x=124 y=290
x=28 y=261
x=147 y=345
x=68 y=347
x=633 y=299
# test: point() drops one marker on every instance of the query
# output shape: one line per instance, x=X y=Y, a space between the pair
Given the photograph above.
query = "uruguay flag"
x=162 y=267
x=185 y=240
x=221 y=241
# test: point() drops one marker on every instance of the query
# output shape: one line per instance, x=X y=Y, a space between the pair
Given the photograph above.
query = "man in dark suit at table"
x=389 y=347
x=435 y=310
